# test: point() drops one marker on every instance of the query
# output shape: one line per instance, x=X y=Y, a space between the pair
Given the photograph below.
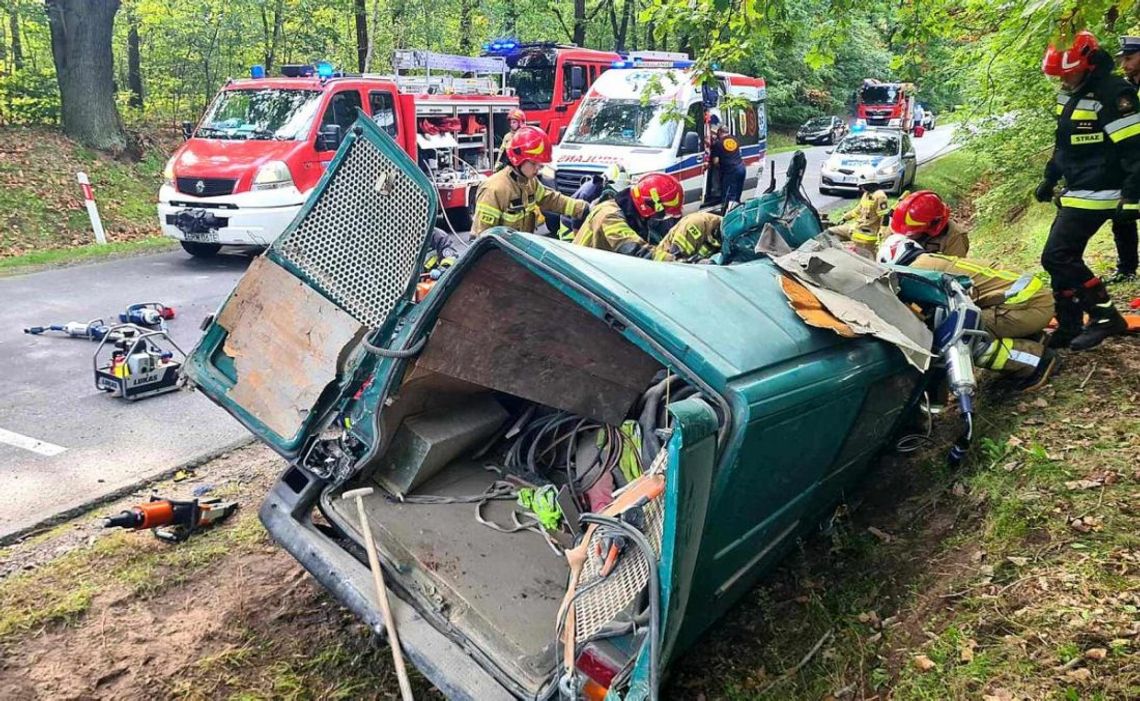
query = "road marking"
x=29 y=443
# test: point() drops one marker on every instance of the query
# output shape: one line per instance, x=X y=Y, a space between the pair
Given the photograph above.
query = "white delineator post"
x=92 y=208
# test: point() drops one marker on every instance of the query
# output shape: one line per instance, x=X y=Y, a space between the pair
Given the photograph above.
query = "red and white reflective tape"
x=92 y=209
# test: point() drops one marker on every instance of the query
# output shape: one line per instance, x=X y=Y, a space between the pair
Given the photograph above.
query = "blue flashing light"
x=257 y=71
x=324 y=70
x=683 y=64
x=501 y=47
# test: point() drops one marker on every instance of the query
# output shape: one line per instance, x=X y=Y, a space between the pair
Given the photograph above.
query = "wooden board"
x=285 y=339
x=506 y=329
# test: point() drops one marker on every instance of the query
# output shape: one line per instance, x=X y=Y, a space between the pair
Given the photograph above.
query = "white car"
x=885 y=156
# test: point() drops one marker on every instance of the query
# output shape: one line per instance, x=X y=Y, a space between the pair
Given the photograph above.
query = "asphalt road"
x=64 y=443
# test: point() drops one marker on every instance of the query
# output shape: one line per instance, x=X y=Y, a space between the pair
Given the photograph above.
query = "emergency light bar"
x=658 y=56
x=501 y=47
x=429 y=60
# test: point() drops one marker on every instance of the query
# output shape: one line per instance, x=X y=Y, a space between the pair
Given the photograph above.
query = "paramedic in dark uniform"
x=1124 y=230
x=726 y=157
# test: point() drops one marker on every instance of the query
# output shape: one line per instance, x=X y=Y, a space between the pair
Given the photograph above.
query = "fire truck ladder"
x=489 y=73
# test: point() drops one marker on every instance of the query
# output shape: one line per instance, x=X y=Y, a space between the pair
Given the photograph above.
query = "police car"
x=885 y=156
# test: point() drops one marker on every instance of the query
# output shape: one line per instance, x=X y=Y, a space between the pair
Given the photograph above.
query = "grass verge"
x=780 y=142
x=89 y=252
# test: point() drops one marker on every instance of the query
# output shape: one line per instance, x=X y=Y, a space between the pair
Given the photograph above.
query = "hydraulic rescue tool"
x=94 y=330
x=142 y=362
x=170 y=520
x=957 y=336
x=147 y=314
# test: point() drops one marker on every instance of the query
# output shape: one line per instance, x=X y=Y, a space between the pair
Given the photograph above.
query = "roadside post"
x=92 y=208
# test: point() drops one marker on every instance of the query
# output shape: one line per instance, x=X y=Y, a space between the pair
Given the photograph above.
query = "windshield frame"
x=866 y=137
x=890 y=89
x=655 y=110
x=548 y=88
x=296 y=125
x=818 y=123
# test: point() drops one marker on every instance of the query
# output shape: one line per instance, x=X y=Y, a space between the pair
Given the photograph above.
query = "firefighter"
x=1015 y=309
x=870 y=217
x=925 y=218
x=595 y=189
x=516 y=119
x=1124 y=230
x=1097 y=153
x=622 y=224
x=726 y=157
x=694 y=238
x=514 y=196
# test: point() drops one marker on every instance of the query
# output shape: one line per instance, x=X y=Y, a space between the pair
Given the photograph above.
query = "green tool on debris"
x=543 y=503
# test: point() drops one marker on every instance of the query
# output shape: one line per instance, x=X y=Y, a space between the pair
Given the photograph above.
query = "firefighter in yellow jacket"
x=516 y=119
x=870 y=217
x=695 y=237
x=622 y=224
x=925 y=218
x=514 y=196
x=1015 y=310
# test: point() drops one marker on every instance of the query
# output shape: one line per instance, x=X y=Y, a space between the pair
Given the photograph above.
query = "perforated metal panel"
x=605 y=599
x=361 y=240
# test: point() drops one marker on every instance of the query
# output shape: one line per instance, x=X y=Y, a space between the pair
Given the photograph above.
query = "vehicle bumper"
x=828 y=183
x=286 y=514
x=246 y=219
x=813 y=138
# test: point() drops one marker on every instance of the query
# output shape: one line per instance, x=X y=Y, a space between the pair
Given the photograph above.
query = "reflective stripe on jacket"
x=607 y=228
x=509 y=199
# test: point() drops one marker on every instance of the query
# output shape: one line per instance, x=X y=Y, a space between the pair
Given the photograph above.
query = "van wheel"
x=201 y=250
x=460 y=218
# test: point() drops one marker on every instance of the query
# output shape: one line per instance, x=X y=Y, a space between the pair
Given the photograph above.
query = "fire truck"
x=885 y=104
x=550 y=79
x=247 y=166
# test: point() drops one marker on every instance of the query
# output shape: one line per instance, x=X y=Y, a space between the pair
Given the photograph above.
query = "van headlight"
x=168 y=172
x=272 y=176
x=889 y=169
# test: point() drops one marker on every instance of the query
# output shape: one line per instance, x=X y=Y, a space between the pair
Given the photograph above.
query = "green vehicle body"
x=790 y=418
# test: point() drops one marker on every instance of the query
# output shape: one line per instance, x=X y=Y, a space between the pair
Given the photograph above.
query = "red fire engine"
x=264 y=142
x=550 y=79
x=885 y=104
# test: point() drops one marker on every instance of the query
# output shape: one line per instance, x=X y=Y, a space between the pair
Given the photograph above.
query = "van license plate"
x=201 y=236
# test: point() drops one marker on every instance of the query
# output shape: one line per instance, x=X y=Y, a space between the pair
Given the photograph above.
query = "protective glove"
x=1044 y=191
x=1127 y=211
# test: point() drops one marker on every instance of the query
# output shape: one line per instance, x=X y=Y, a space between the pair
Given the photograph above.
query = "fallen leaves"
x=966 y=651
x=881 y=535
x=923 y=663
x=1096 y=653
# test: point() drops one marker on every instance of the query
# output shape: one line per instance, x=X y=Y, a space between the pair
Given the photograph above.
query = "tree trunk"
x=620 y=29
x=579 y=36
x=134 y=65
x=466 y=8
x=81 y=33
x=278 y=30
x=650 y=39
x=17 y=45
x=362 y=45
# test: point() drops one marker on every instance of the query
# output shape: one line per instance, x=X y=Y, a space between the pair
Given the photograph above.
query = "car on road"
x=886 y=156
x=684 y=424
x=821 y=130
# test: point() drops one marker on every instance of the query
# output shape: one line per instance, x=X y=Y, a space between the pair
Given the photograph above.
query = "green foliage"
x=29 y=96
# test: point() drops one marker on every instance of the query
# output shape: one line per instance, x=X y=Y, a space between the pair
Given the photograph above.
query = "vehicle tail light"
x=599 y=662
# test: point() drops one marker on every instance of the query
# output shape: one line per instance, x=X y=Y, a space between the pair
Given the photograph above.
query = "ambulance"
x=649 y=113
x=264 y=142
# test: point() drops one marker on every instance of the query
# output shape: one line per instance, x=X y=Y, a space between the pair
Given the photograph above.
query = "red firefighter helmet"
x=1059 y=63
x=921 y=213
x=658 y=192
x=529 y=144
x=516 y=115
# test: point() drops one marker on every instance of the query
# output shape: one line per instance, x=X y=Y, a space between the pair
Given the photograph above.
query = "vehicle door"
x=339 y=114
x=382 y=109
x=289 y=340
x=909 y=159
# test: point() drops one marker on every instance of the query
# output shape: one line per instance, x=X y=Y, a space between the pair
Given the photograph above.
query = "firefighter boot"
x=1070 y=317
x=1046 y=368
x=1104 y=319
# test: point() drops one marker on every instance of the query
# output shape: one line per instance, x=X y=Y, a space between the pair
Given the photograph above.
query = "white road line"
x=29 y=443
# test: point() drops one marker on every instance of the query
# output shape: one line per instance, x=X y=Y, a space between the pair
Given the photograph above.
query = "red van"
x=264 y=142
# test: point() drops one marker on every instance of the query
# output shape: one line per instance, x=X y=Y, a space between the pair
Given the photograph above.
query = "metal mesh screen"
x=606 y=598
x=360 y=242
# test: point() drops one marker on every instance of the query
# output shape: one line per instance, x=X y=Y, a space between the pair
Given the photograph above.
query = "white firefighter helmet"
x=899 y=249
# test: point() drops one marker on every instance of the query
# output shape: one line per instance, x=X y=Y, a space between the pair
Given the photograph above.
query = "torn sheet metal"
x=859 y=292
